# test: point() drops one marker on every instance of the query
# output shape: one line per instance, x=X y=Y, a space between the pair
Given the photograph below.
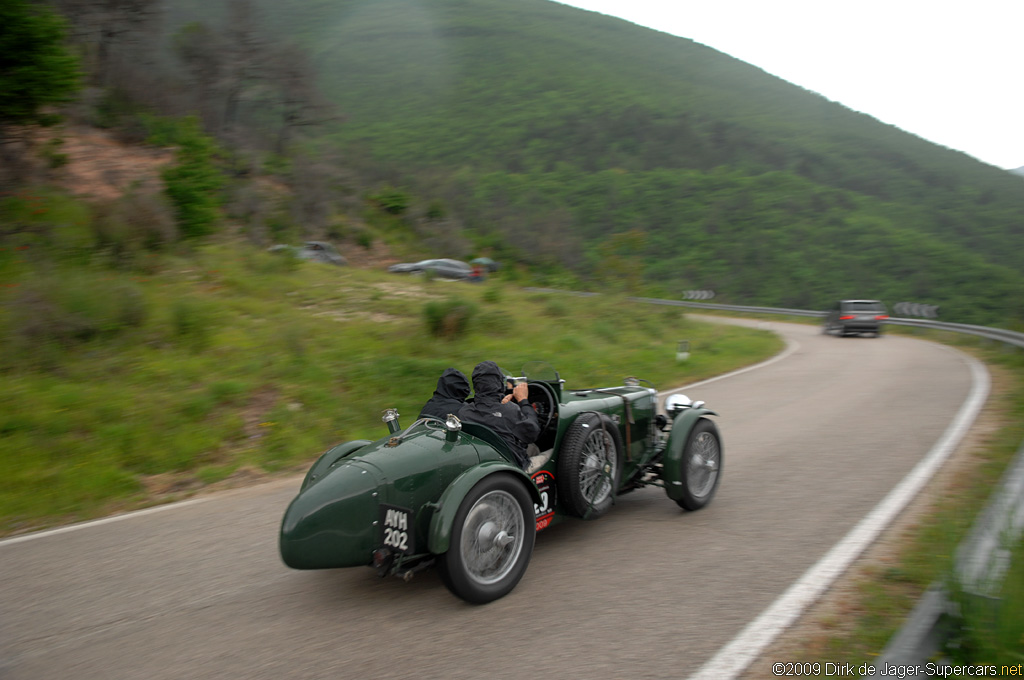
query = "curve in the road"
x=736 y=656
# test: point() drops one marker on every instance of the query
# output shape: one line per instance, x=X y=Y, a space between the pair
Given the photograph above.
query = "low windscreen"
x=541 y=371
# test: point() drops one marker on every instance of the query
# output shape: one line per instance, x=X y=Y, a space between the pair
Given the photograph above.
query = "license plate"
x=396 y=529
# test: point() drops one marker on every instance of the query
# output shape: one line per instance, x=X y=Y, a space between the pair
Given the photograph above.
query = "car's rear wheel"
x=590 y=465
x=702 y=465
x=492 y=540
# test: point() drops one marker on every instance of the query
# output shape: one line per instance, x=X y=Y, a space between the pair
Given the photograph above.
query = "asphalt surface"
x=812 y=443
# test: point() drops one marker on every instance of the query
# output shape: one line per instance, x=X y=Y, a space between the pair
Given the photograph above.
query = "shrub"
x=449 y=319
x=492 y=295
x=192 y=323
x=436 y=211
x=136 y=221
x=556 y=309
x=570 y=343
x=73 y=309
x=391 y=200
x=280 y=262
x=280 y=227
x=606 y=330
x=228 y=391
x=52 y=154
x=364 y=238
x=496 y=322
x=193 y=183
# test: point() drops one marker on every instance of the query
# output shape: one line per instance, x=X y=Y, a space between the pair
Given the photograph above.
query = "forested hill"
x=555 y=129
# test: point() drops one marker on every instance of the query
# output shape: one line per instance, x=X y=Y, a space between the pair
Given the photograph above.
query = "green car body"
x=451 y=493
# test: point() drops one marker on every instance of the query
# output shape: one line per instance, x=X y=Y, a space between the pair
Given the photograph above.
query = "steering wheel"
x=543 y=399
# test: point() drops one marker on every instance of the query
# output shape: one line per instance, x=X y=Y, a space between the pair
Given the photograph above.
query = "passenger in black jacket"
x=516 y=422
x=450 y=395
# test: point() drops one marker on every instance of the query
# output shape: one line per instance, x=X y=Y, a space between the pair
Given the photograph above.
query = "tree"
x=109 y=31
x=297 y=100
x=621 y=259
x=36 y=68
x=202 y=52
x=244 y=64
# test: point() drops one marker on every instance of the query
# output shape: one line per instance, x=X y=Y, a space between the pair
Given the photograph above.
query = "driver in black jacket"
x=512 y=416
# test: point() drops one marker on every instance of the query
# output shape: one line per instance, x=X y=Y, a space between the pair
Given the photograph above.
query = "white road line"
x=98 y=522
x=736 y=656
x=791 y=346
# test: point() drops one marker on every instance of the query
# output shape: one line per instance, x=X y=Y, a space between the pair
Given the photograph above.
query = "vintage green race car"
x=451 y=494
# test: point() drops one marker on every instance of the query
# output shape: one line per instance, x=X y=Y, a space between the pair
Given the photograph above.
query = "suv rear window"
x=864 y=306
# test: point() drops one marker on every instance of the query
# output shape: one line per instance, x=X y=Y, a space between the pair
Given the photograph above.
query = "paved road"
x=812 y=443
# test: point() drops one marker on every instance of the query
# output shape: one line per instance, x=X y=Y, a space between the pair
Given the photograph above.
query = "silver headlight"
x=676 y=403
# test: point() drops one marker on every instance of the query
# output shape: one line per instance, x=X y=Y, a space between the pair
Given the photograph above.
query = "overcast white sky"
x=949 y=71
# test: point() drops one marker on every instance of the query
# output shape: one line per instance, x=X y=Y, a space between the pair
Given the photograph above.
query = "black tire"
x=590 y=466
x=492 y=540
x=702 y=465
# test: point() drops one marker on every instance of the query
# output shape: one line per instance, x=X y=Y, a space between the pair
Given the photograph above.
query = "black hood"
x=453 y=384
x=488 y=381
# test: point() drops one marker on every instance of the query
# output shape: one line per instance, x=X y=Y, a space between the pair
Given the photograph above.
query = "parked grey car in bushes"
x=853 y=317
x=315 y=251
x=444 y=268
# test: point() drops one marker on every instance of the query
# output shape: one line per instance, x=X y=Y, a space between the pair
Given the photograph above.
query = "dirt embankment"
x=95 y=166
x=87 y=162
x=99 y=167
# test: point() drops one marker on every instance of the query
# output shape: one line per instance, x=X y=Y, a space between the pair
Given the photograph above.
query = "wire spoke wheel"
x=590 y=466
x=599 y=466
x=703 y=464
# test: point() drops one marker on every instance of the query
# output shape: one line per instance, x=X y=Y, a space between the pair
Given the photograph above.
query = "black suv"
x=853 y=317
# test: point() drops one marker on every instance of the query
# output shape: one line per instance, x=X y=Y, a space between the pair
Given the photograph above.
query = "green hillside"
x=554 y=128
x=588 y=150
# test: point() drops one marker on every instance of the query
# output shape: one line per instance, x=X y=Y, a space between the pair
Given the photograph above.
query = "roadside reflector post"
x=683 y=350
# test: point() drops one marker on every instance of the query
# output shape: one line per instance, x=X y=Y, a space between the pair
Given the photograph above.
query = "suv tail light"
x=847 y=317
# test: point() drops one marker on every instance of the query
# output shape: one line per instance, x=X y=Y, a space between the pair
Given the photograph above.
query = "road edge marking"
x=791 y=347
x=737 y=655
x=98 y=522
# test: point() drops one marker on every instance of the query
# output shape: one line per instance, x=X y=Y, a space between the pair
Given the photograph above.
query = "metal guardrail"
x=981 y=558
x=999 y=334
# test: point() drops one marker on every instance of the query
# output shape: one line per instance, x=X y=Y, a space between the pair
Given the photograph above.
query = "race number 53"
x=545 y=510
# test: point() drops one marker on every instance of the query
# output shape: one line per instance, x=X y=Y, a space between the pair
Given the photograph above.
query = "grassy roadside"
x=991 y=630
x=128 y=386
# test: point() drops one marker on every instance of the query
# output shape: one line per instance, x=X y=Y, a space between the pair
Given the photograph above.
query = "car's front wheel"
x=590 y=465
x=702 y=465
x=492 y=540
